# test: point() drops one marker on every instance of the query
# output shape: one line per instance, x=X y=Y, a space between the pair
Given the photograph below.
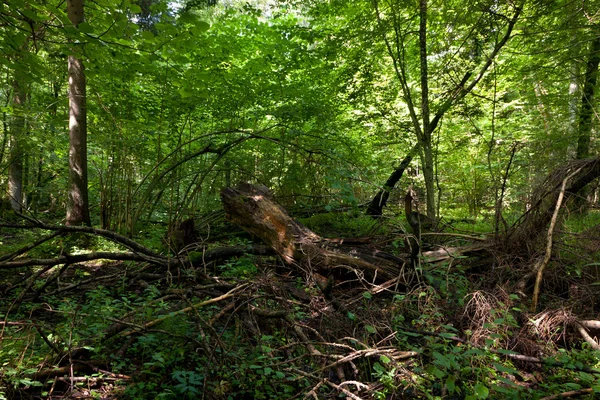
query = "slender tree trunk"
x=426 y=125
x=429 y=177
x=587 y=101
x=17 y=153
x=77 y=209
x=426 y=145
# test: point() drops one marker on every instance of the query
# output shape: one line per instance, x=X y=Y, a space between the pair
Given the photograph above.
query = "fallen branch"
x=586 y=336
x=186 y=310
x=571 y=393
x=77 y=258
x=539 y=268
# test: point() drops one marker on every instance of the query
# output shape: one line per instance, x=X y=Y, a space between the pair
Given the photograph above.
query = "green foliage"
x=305 y=98
x=243 y=268
x=340 y=224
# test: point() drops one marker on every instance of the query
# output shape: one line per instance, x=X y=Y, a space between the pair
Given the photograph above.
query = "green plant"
x=243 y=267
x=385 y=374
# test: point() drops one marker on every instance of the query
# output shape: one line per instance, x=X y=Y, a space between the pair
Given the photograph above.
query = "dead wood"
x=528 y=232
x=253 y=208
x=375 y=207
x=586 y=336
x=541 y=265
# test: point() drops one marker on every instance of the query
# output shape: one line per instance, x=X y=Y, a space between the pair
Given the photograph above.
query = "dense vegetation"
x=417 y=215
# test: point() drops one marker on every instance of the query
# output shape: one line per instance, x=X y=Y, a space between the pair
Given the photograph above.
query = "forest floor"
x=253 y=326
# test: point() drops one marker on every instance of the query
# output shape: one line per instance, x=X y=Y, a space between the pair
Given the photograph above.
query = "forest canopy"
x=359 y=196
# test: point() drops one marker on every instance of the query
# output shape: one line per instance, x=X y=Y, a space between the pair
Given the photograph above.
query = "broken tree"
x=253 y=208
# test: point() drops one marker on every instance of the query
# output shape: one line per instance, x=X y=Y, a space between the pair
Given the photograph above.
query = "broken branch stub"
x=253 y=208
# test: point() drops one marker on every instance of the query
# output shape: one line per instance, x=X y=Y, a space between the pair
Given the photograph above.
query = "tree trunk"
x=253 y=208
x=429 y=177
x=587 y=101
x=17 y=153
x=427 y=129
x=425 y=125
x=77 y=208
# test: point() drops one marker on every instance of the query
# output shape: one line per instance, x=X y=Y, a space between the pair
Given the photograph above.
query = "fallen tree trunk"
x=254 y=209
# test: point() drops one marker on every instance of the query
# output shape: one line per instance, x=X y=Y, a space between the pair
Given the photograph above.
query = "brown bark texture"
x=78 y=208
x=253 y=208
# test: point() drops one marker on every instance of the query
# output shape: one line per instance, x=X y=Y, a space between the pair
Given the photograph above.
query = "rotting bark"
x=254 y=209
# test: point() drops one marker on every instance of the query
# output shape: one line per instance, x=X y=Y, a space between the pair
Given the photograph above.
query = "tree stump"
x=253 y=208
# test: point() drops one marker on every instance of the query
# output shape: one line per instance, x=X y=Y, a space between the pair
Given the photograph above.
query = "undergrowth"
x=449 y=335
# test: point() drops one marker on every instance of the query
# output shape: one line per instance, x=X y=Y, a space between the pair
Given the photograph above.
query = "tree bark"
x=17 y=153
x=78 y=207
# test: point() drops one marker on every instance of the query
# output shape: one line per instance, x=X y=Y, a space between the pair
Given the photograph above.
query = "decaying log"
x=253 y=208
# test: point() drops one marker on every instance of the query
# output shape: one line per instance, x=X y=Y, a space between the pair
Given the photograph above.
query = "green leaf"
x=30 y=14
x=438 y=373
x=147 y=35
x=135 y=9
x=367 y=295
x=503 y=368
x=187 y=18
x=385 y=359
x=370 y=329
x=441 y=360
x=202 y=26
x=572 y=386
x=448 y=335
x=481 y=391
x=451 y=383
x=85 y=27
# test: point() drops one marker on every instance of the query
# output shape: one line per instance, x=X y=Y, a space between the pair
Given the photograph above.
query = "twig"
x=343 y=390
x=187 y=309
x=313 y=392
